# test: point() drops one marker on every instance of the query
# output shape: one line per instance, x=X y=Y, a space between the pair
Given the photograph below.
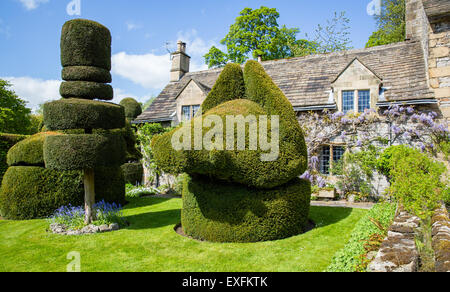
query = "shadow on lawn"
x=324 y=216
x=154 y=219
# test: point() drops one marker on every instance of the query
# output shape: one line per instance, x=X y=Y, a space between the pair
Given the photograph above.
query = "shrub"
x=140 y=191
x=6 y=142
x=86 y=90
x=29 y=152
x=110 y=185
x=225 y=212
x=71 y=113
x=133 y=154
x=76 y=152
x=86 y=73
x=352 y=256
x=389 y=157
x=30 y=192
x=34 y=192
x=132 y=108
x=416 y=182
x=85 y=43
x=229 y=86
x=133 y=173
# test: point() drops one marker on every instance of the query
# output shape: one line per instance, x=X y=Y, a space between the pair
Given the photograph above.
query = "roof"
x=306 y=81
x=436 y=9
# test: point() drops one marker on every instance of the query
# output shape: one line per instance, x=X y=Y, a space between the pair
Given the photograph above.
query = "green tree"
x=390 y=23
x=215 y=58
x=256 y=32
x=14 y=115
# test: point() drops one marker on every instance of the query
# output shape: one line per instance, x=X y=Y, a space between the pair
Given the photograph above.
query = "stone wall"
x=398 y=252
x=439 y=64
x=441 y=240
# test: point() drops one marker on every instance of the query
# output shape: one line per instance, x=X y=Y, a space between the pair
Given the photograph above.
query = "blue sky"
x=30 y=32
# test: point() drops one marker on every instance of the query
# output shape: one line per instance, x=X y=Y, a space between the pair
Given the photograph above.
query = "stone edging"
x=90 y=229
x=441 y=240
x=398 y=252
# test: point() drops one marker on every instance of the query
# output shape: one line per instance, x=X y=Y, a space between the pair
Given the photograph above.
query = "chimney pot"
x=180 y=62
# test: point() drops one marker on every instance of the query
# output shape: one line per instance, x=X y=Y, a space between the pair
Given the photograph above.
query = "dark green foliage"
x=85 y=43
x=6 y=142
x=67 y=114
x=86 y=73
x=133 y=173
x=133 y=154
x=224 y=212
x=77 y=152
x=229 y=86
x=30 y=192
x=261 y=89
x=110 y=185
x=132 y=108
x=14 y=115
x=86 y=90
x=166 y=158
x=29 y=151
x=35 y=192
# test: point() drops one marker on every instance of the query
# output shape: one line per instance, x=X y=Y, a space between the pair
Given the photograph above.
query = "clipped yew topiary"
x=74 y=113
x=29 y=151
x=85 y=43
x=6 y=142
x=86 y=73
x=133 y=173
x=86 y=90
x=132 y=108
x=229 y=86
x=227 y=212
x=239 y=190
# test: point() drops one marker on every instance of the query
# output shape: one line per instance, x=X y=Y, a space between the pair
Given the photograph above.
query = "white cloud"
x=133 y=26
x=150 y=71
x=34 y=91
x=32 y=4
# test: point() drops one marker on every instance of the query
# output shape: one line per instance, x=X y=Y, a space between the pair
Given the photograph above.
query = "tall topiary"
x=236 y=194
x=86 y=61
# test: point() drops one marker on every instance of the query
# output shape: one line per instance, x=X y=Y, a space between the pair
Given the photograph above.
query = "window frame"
x=191 y=111
x=331 y=157
x=356 y=100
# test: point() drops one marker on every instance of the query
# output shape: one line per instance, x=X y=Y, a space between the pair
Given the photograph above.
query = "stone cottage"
x=414 y=72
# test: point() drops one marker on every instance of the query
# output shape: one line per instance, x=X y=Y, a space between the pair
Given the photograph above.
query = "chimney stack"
x=180 y=62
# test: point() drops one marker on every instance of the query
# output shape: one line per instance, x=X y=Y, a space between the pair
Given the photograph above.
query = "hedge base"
x=225 y=212
x=133 y=173
x=30 y=192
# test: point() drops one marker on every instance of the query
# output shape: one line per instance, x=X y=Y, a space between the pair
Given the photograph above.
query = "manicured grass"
x=150 y=244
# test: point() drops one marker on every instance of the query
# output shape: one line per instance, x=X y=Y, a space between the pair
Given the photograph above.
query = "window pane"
x=195 y=109
x=363 y=100
x=348 y=101
x=338 y=153
x=325 y=160
x=185 y=113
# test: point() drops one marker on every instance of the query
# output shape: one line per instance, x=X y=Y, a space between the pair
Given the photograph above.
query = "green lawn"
x=150 y=244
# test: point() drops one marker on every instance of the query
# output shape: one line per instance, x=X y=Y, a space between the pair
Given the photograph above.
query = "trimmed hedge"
x=6 y=142
x=30 y=192
x=86 y=73
x=133 y=173
x=85 y=43
x=224 y=212
x=229 y=86
x=68 y=114
x=86 y=90
x=35 y=192
x=261 y=89
x=77 y=152
x=132 y=108
x=109 y=185
x=133 y=154
x=29 y=151
x=243 y=167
